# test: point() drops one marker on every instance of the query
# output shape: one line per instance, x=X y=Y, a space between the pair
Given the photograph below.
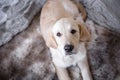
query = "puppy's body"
x=63 y=30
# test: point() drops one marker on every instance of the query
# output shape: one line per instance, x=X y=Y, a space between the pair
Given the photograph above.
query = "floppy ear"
x=50 y=40
x=84 y=33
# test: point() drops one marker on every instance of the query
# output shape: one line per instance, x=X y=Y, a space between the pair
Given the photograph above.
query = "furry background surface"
x=26 y=57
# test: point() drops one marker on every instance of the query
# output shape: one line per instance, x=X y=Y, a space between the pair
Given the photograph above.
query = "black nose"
x=68 y=48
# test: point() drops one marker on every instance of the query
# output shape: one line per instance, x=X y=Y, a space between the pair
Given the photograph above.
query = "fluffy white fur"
x=62 y=16
x=79 y=56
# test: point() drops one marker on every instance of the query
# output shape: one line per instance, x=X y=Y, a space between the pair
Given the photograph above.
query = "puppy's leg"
x=83 y=65
x=62 y=73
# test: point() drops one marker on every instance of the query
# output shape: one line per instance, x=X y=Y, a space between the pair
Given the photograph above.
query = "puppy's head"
x=67 y=34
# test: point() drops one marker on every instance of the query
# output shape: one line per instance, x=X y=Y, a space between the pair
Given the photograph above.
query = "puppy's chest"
x=67 y=60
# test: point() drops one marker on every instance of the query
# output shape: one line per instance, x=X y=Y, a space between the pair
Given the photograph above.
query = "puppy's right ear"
x=50 y=40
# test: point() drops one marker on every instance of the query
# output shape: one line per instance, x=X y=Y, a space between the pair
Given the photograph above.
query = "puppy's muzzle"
x=68 y=48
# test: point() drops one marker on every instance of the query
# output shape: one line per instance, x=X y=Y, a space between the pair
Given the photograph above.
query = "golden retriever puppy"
x=63 y=30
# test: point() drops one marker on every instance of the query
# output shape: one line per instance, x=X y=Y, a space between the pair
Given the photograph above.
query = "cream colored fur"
x=63 y=16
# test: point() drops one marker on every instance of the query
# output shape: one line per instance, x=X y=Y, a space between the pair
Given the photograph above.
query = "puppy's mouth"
x=70 y=53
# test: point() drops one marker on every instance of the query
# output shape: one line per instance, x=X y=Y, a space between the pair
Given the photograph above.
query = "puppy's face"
x=66 y=33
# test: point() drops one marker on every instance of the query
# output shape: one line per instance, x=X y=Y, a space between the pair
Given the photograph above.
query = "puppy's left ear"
x=84 y=33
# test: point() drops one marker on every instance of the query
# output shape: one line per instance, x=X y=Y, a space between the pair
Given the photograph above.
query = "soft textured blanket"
x=26 y=56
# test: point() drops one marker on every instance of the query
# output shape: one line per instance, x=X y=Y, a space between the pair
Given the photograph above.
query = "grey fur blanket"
x=26 y=56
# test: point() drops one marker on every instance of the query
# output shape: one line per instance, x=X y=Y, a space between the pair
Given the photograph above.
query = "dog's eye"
x=73 y=31
x=59 y=34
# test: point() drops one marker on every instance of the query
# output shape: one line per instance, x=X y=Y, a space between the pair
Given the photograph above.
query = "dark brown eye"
x=73 y=31
x=59 y=34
